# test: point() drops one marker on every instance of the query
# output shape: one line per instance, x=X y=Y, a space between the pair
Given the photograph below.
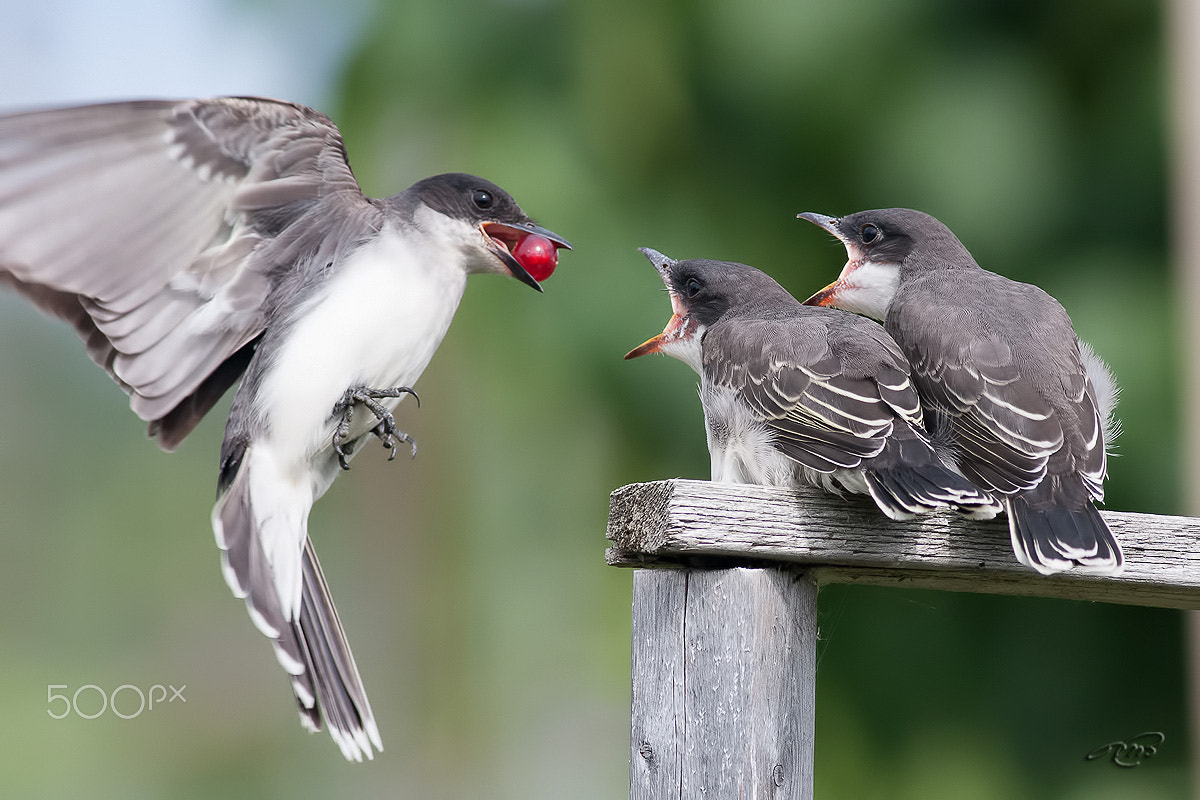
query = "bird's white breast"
x=376 y=323
x=742 y=449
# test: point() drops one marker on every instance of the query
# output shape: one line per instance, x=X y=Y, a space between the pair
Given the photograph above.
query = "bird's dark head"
x=879 y=244
x=702 y=293
x=488 y=226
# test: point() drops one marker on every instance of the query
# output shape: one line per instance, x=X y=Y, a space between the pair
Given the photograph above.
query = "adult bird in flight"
x=799 y=396
x=192 y=243
x=1024 y=407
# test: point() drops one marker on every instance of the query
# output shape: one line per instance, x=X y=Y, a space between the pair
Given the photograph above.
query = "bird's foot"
x=386 y=430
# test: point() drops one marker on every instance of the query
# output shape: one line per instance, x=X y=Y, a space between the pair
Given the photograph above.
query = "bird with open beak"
x=798 y=396
x=1024 y=407
x=192 y=243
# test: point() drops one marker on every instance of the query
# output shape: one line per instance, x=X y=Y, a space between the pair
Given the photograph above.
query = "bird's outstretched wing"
x=146 y=225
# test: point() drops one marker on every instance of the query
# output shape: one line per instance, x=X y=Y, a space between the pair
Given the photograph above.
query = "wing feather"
x=990 y=388
x=822 y=398
x=145 y=225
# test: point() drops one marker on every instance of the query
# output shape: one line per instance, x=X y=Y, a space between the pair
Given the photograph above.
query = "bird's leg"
x=386 y=430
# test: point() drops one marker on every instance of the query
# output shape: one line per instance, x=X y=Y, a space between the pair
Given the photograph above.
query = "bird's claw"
x=386 y=430
x=343 y=453
x=391 y=437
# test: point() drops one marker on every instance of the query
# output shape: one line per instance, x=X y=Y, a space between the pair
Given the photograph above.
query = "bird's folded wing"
x=1002 y=425
x=141 y=224
x=826 y=413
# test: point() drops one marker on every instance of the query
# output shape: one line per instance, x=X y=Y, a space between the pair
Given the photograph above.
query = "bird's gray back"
x=976 y=315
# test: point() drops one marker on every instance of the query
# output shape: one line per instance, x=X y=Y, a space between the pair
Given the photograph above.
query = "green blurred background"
x=491 y=635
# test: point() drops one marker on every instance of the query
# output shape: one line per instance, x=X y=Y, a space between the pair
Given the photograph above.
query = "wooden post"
x=724 y=613
x=724 y=684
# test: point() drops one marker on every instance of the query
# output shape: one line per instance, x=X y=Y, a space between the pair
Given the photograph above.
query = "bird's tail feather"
x=907 y=478
x=903 y=492
x=340 y=692
x=248 y=572
x=312 y=647
x=1052 y=538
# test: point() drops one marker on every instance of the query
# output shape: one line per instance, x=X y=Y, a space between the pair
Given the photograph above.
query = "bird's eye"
x=869 y=233
x=692 y=287
x=482 y=199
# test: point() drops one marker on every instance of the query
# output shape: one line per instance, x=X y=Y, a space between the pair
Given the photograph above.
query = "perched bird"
x=192 y=243
x=1024 y=407
x=802 y=396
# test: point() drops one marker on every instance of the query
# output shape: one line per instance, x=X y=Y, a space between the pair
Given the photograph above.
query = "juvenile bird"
x=1024 y=406
x=797 y=396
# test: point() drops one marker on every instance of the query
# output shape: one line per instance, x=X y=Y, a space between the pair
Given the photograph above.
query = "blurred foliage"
x=490 y=633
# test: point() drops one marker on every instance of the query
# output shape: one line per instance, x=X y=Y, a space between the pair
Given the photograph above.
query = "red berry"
x=537 y=254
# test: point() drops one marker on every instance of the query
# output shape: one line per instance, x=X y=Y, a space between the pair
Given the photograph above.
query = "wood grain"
x=724 y=684
x=847 y=540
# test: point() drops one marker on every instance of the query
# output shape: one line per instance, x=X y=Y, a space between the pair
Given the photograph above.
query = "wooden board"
x=848 y=540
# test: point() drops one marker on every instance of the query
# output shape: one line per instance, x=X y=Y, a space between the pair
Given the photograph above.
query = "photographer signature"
x=1129 y=753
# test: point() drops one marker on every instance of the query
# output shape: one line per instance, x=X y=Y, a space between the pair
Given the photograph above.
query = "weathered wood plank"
x=724 y=679
x=847 y=540
x=656 y=760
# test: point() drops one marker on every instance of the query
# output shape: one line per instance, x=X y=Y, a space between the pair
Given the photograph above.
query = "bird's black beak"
x=680 y=326
x=527 y=260
x=825 y=296
x=821 y=221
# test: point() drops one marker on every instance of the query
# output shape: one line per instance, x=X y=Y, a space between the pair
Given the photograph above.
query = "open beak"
x=826 y=296
x=677 y=328
x=680 y=325
x=504 y=237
